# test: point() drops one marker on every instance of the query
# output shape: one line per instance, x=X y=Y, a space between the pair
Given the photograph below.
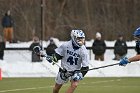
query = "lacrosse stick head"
x=37 y=49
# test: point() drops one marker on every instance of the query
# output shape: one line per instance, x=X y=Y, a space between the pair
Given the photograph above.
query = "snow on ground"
x=18 y=63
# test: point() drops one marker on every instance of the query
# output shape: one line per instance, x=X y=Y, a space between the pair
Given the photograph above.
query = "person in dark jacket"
x=7 y=24
x=120 y=48
x=35 y=57
x=2 y=47
x=51 y=47
x=99 y=47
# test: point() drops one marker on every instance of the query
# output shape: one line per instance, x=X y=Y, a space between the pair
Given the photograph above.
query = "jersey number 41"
x=72 y=60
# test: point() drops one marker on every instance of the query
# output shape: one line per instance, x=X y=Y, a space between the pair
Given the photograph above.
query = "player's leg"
x=57 y=88
x=73 y=86
x=59 y=82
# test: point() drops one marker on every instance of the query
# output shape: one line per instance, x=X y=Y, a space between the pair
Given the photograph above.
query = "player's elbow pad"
x=84 y=70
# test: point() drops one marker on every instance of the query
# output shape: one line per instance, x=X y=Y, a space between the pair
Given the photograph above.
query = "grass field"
x=88 y=85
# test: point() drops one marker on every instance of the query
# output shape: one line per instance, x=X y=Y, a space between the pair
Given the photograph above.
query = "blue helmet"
x=136 y=35
x=78 y=37
x=137 y=32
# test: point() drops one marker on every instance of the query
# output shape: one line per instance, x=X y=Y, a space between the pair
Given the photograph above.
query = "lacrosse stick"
x=37 y=50
x=101 y=67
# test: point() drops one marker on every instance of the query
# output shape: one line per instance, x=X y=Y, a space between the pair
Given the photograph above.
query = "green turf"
x=88 y=85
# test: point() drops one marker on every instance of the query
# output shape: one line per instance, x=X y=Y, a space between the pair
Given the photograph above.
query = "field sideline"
x=88 y=85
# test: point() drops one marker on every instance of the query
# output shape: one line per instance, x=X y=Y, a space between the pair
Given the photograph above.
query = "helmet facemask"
x=78 y=37
x=80 y=41
x=137 y=39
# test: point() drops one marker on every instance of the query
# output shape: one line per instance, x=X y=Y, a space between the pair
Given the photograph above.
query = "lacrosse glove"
x=77 y=76
x=124 y=61
x=37 y=49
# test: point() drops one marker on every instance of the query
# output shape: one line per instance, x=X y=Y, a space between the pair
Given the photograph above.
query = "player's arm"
x=124 y=61
x=135 y=58
x=54 y=58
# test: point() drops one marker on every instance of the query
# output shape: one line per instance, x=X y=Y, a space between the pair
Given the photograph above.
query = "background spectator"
x=35 y=58
x=99 y=47
x=120 y=48
x=7 y=24
x=51 y=47
x=2 y=47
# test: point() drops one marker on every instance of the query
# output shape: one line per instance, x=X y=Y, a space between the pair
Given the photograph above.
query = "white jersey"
x=73 y=59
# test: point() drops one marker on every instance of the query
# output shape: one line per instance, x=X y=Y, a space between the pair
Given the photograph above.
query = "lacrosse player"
x=135 y=58
x=74 y=58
